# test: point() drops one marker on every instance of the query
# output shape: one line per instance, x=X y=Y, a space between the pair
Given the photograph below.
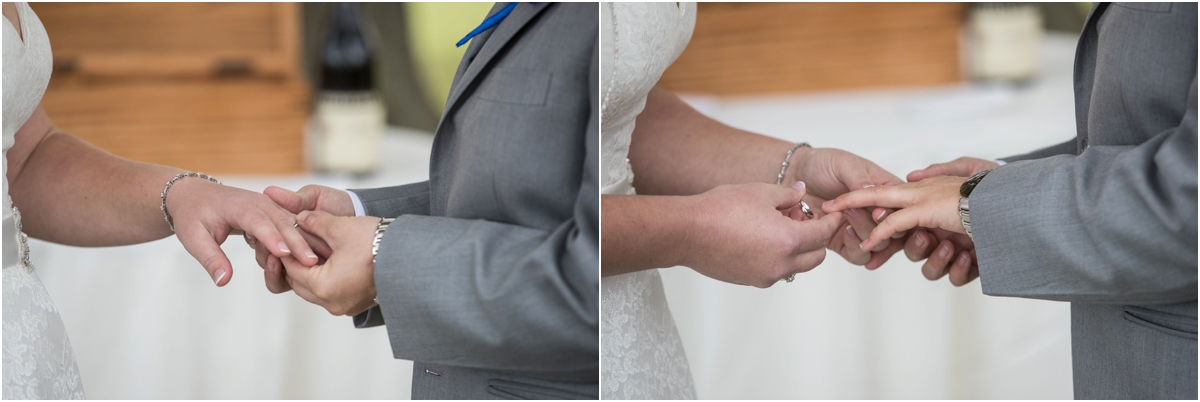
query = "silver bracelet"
x=787 y=161
x=163 y=207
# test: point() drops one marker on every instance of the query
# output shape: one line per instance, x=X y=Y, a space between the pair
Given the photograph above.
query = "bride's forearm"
x=675 y=150
x=643 y=232
x=72 y=193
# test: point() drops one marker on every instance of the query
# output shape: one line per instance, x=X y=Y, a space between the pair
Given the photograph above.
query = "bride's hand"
x=831 y=172
x=206 y=213
x=309 y=198
x=743 y=234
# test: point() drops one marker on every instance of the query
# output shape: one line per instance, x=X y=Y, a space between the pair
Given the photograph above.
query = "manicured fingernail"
x=944 y=252
x=301 y=216
x=799 y=186
x=850 y=230
x=310 y=254
x=217 y=276
x=919 y=241
x=863 y=246
x=827 y=204
x=882 y=214
x=853 y=212
x=284 y=248
x=868 y=185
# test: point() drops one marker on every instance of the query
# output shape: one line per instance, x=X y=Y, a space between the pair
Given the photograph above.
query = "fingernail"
x=882 y=214
x=863 y=246
x=944 y=252
x=850 y=230
x=853 y=212
x=919 y=241
x=962 y=260
x=799 y=186
x=868 y=185
x=271 y=265
x=827 y=204
x=310 y=254
x=283 y=247
x=303 y=214
x=217 y=276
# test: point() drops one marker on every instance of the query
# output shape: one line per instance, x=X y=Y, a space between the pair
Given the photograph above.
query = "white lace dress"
x=38 y=360
x=641 y=354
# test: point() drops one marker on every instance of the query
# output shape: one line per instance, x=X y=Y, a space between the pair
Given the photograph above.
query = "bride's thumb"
x=789 y=196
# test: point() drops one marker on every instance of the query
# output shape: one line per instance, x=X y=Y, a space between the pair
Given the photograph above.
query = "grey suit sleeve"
x=1116 y=224
x=482 y=294
x=1070 y=147
x=390 y=202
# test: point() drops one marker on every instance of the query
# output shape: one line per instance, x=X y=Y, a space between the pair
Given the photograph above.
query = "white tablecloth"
x=147 y=322
x=841 y=331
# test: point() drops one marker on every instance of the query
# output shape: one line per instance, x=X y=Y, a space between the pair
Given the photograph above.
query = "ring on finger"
x=806 y=210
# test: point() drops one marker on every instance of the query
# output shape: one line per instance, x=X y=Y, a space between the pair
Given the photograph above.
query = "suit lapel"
x=486 y=45
x=1097 y=9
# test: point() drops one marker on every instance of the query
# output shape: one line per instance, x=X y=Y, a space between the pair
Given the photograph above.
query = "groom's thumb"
x=287 y=199
x=316 y=223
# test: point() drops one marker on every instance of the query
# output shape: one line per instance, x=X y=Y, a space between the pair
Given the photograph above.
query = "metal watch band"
x=964 y=212
x=379 y=230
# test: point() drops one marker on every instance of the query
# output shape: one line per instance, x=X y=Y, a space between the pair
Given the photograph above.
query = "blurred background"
x=258 y=94
x=904 y=85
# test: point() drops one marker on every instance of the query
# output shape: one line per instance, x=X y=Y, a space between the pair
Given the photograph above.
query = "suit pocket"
x=518 y=86
x=1167 y=323
x=1148 y=7
x=508 y=389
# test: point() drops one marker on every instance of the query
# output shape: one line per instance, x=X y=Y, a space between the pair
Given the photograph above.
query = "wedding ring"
x=807 y=211
x=790 y=278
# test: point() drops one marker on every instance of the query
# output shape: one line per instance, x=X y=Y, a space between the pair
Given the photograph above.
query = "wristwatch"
x=379 y=230
x=964 y=208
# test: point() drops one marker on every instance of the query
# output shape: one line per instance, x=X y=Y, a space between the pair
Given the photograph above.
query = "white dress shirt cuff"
x=358 y=206
x=1001 y=162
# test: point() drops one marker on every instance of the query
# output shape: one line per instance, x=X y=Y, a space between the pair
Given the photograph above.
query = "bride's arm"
x=72 y=193
x=675 y=150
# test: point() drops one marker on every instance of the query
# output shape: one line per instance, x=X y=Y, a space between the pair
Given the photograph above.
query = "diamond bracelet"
x=787 y=161
x=163 y=207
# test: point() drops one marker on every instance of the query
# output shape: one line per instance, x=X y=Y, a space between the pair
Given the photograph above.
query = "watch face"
x=969 y=185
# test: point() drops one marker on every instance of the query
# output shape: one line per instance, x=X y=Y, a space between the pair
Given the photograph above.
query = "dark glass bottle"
x=347 y=55
x=350 y=115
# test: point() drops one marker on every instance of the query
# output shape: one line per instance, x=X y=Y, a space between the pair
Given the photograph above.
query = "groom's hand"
x=344 y=284
x=308 y=198
x=930 y=204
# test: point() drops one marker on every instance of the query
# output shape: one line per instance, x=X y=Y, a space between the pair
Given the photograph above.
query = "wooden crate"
x=211 y=87
x=753 y=48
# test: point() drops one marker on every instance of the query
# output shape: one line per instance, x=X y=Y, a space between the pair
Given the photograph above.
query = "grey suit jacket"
x=489 y=277
x=1107 y=220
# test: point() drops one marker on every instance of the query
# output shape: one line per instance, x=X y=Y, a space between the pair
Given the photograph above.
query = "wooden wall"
x=754 y=48
x=211 y=87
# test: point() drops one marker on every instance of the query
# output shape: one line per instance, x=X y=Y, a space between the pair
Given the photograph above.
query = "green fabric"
x=433 y=28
